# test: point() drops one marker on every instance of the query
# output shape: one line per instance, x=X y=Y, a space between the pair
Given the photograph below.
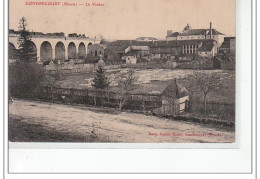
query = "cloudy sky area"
x=126 y=19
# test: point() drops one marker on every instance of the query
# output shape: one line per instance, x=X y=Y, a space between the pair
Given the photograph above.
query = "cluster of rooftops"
x=121 y=45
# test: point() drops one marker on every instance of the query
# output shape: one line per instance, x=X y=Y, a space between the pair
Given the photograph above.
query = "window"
x=100 y=52
x=95 y=53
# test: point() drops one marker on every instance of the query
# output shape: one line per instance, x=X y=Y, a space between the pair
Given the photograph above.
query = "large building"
x=184 y=48
x=196 y=34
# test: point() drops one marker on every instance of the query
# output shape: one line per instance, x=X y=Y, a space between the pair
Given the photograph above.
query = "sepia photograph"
x=122 y=71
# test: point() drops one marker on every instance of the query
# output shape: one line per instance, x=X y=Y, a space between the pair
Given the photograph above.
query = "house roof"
x=193 y=32
x=226 y=43
x=120 y=45
x=100 y=45
x=176 y=43
x=206 y=47
x=129 y=43
x=138 y=48
x=174 y=34
x=215 y=32
x=175 y=90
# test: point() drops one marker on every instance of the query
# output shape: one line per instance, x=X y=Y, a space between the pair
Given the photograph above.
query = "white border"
x=155 y=160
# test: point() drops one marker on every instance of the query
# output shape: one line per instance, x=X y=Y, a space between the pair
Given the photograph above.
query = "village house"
x=228 y=46
x=175 y=99
x=117 y=49
x=129 y=59
x=97 y=50
x=208 y=49
x=139 y=52
x=165 y=49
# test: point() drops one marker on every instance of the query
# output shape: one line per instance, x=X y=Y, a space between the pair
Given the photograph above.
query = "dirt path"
x=110 y=127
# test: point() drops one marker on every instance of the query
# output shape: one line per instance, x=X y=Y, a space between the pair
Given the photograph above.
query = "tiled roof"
x=206 y=47
x=215 y=32
x=175 y=90
x=102 y=45
x=226 y=43
x=138 y=48
x=174 y=34
x=129 y=43
x=172 y=43
x=193 y=32
x=120 y=45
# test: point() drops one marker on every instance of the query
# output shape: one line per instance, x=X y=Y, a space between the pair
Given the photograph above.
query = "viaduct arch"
x=60 y=51
x=55 y=47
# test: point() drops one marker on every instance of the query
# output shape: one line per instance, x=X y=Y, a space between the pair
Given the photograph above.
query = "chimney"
x=210 y=30
x=169 y=32
x=205 y=34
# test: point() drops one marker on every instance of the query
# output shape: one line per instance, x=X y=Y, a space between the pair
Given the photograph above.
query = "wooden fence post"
x=143 y=106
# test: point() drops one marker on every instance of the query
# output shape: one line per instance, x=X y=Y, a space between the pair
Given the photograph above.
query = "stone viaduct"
x=56 y=47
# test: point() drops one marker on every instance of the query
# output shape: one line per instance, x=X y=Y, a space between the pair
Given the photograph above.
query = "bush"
x=24 y=78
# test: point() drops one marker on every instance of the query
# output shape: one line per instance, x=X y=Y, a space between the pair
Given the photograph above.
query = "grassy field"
x=156 y=80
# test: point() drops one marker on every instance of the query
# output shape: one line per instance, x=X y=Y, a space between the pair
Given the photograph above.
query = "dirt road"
x=90 y=125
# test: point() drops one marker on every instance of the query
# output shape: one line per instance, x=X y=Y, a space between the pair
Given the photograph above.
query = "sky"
x=125 y=19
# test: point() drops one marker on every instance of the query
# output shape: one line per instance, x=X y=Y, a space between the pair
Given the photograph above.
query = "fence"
x=138 y=102
x=225 y=111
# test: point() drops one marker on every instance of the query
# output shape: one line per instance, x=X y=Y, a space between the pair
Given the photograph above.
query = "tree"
x=100 y=81
x=51 y=78
x=26 y=50
x=24 y=77
x=206 y=83
x=126 y=84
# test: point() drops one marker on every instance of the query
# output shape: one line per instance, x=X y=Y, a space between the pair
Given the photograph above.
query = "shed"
x=174 y=99
x=129 y=59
